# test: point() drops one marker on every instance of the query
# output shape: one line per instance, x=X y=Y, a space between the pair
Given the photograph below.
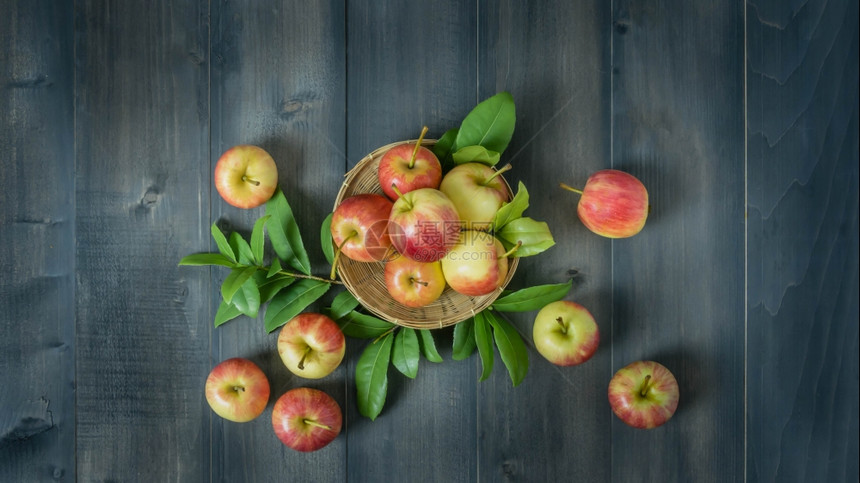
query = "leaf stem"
x=570 y=188
x=302 y=275
x=417 y=146
x=383 y=334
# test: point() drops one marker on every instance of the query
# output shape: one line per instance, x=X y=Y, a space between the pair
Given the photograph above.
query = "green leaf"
x=284 y=233
x=534 y=235
x=247 y=298
x=532 y=298
x=342 y=305
x=274 y=268
x=361 y=326
x=490 y=124
x=371 y=377
x=258 y=239
x=442 y=148
x=325 y=239
x=512 y=210
x=484 y=343
x=406 y=352
x=240 y=246
x=226 y=312
x=269 y=287
x=200 y=259
x=292 y=300
x=513 y=350
x=428 y=346
x=476 y=154
x=234 y=281
x=464 y=339
x=221 y=241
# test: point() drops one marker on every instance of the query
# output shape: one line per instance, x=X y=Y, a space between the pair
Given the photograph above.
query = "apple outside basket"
x=366 y=280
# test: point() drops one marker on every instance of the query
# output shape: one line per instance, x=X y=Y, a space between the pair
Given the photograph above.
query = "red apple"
x=477 y=192
x=246 y=176
x=423 y=225
x=311 y=345
x=644 y=394
x=409 y=167
x=237 y=390
x=306 y=419
x=359 y=227
x=476 y=265
x=613 y=204
x=413 y=283
x=565 y=333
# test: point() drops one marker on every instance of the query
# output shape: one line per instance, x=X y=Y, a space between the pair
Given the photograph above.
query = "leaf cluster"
x=251 y=283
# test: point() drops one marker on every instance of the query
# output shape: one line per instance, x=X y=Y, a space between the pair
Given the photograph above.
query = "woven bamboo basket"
x=366 y=281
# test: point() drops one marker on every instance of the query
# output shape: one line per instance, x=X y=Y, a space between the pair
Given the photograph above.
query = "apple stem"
x=316 y=424
x=646 y=386
x=417 y=146
x=301 y=365
x=238 y=388
x=512 y=250
x=249 y=180
x=507 y=167
x=399 y=194
x=419 y=282
x=562 y=324
x=333 y=273
x=570 y=188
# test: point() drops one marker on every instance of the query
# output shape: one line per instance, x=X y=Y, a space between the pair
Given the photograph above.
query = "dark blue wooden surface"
x=740 y=117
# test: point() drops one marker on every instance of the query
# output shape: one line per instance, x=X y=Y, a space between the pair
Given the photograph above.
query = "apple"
x=477 y=191
x=644 y=394
x=409 y=167
x=311 y=345
x=246 y=176
x=565 y=333
x=613 y=203
x=477 y=264
x=414 y=283
x=237 y=390
x=306 y=419
x=423 y=225
x=359 y=227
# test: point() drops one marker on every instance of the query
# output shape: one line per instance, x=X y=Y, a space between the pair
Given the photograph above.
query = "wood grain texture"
x=278 y=82
x=678 y=286
x=410 y=65
x=554 y=59
x=37 y=217
x=142 y=181
x=803 y=241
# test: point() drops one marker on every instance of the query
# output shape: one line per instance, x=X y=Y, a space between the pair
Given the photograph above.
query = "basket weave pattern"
x=366 y=281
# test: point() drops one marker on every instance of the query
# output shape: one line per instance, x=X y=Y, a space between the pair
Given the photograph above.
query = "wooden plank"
x=554 y=59
x=678 y=286
x=803 y=241
x=143 y=324
x=278 y=81
x=37 y=349
x=408 y=66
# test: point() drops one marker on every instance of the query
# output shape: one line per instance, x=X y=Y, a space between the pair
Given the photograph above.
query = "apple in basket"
x=409 y=167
